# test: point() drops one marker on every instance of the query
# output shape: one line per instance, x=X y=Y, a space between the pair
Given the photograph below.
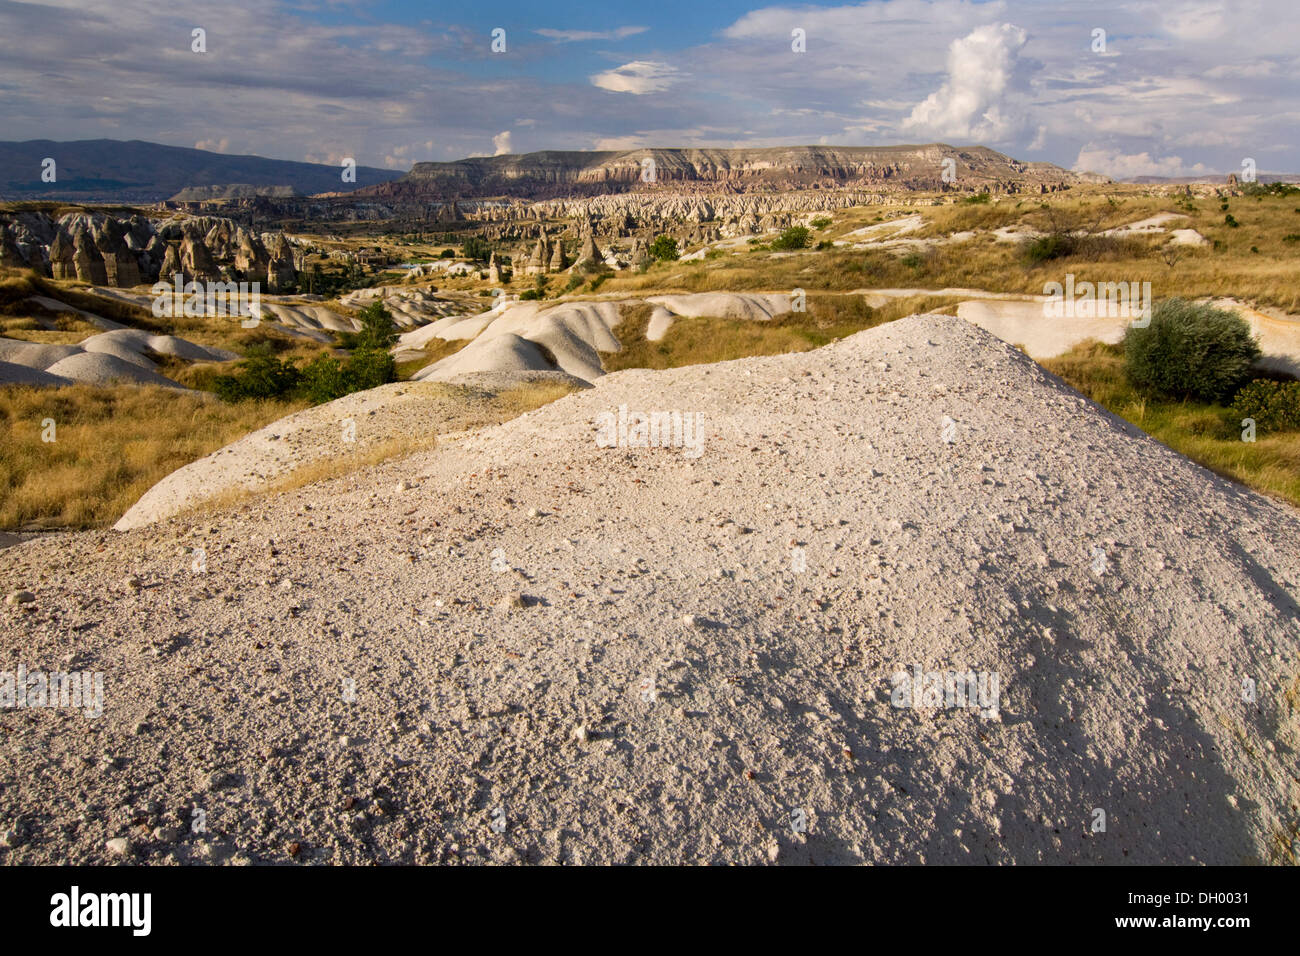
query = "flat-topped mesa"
x=559 y=173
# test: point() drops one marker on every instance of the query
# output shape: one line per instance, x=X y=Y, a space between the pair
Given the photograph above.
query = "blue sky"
x=1178 y=87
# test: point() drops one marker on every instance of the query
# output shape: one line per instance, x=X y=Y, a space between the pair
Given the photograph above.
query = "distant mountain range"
x=555 y=173
x=1217 y=179
x=108 y=170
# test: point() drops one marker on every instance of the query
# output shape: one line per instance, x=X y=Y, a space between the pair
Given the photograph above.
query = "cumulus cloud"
x=213 y=145
x=637 y=77
x=1119 y=165
x=573 y=36
x=969 y=103
x=501 y=144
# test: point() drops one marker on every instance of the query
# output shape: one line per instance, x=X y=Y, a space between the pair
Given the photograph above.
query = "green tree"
x=664 y=249
x=796 y=237
x=478 y=248
x=377 y=330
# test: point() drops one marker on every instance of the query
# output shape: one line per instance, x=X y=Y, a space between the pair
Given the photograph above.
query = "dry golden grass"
x=702 y=341
x=111 y=445
x=1208 y=434
x=1230 y=268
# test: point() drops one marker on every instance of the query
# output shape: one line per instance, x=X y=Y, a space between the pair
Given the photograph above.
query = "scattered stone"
x=118 y=846
x=514 y=601
x=20 y=597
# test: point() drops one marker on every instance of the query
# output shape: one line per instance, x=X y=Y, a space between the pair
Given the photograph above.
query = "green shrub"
x=1231 y=221
x=322 y=379
x=1046 y=248
x=821 y=222
x=796 y=237
x=1275 y=406
x=377 y=329
x=368 y=368
x=260 y=375
x=1270 y=189
x=531 y=295
x=1190 y=351
x=325 y=378
x=664 y=248
x=979 y=199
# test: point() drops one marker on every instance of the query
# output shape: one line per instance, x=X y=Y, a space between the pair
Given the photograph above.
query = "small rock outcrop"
x=86 y=258
x=281 y=276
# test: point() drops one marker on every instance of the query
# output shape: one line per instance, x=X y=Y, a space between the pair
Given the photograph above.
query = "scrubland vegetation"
x=113 y=443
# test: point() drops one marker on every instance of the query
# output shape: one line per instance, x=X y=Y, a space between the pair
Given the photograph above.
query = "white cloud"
x=1196 y=21
x=572 y=36
x=637 y=77
x=969 y=103
x=213 y=145
x=1200 y=80
x=501 y=144
x=1118 y=165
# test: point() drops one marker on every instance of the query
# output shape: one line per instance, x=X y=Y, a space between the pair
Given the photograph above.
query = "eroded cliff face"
x=559 y=174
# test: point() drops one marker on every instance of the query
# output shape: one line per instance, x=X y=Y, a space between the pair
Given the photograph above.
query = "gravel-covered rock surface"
x=526 y=647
